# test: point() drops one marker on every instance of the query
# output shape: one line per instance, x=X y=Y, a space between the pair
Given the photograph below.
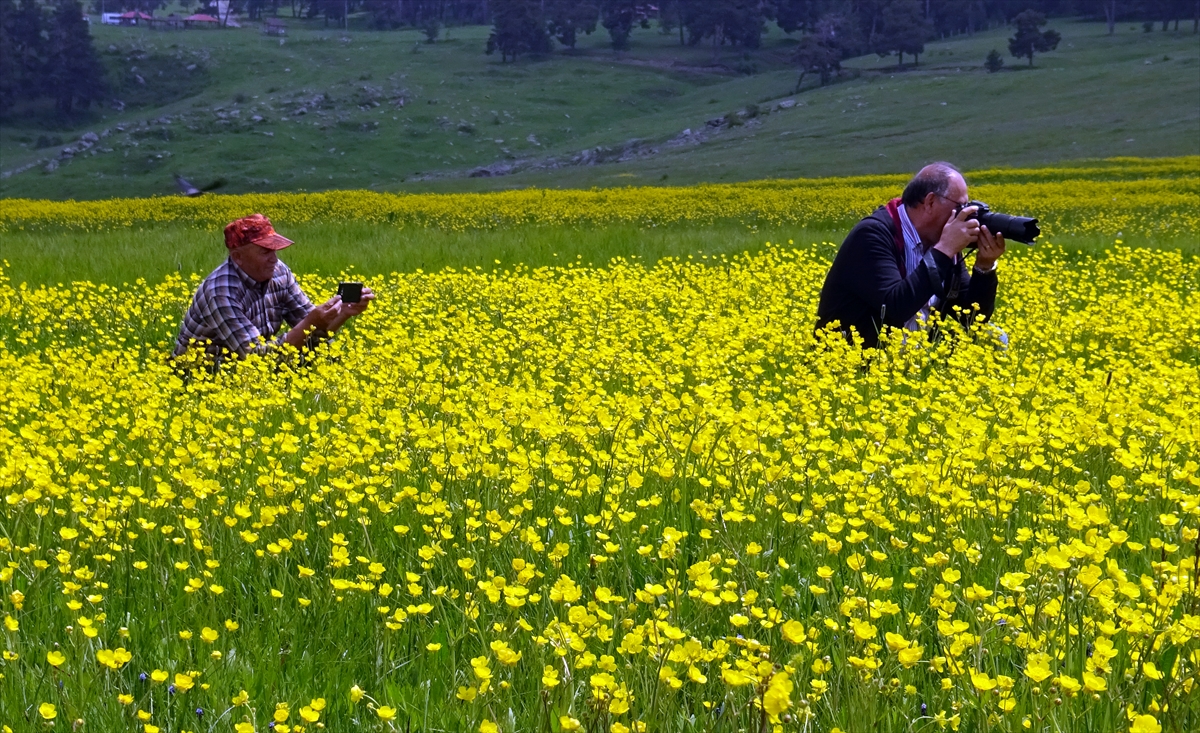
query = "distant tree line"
x=46 y=52
x=537 y=25
x=831 y=30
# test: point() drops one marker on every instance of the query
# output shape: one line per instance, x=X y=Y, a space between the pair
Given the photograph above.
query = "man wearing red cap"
x=241 y=305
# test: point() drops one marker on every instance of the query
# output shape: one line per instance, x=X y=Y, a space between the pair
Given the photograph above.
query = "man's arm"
x=233 y=329
x=879 y=282
x=980 y=285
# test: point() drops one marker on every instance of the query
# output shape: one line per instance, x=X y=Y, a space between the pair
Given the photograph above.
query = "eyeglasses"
x=958 y=205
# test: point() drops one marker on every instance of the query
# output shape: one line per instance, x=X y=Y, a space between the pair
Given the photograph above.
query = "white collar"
x=912 y=240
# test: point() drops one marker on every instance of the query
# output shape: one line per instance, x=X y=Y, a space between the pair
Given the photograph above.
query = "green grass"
x=124 y=256
x=1097 y=96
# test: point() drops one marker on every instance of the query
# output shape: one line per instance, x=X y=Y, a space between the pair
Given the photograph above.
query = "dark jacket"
x=867 y=286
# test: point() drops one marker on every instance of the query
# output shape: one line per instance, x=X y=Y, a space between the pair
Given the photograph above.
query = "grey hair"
x=933 y=178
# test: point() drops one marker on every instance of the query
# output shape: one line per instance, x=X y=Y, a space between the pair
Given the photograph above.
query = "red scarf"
x=893 y=210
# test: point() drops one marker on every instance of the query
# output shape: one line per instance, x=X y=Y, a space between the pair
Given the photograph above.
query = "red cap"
x=253 y=229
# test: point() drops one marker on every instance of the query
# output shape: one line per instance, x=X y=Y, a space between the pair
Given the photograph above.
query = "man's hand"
x=321 y=317
x=346 y=311
x=991 y=248
x=349 y=310
x=958 y=233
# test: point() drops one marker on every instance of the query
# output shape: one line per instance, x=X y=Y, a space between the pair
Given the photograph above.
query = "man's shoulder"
x=877 y=220
x=875 y=227
x=224 y=278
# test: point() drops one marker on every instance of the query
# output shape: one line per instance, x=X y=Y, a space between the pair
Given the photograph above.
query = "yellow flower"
x=113 y=658
x=184 y=682
x=55 y=658
x=385 y=713
x=309 y=715
x=549 y=677
x=778 y=697
x=240 y=699
x=910 y=656
x=243 y=727
x=209 y=635
x=981 y=681
x=1094 y=683
x=1145 y=724
x=47 y=711
x=566 y=722
x=793 y=631
x=1069 y=684
x=433 y=647
x=1038 y=669
x=466 y=694
x=487 y=726
x=356 y=694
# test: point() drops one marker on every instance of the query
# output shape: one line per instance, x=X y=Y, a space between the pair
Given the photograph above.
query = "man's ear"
x=928 y=200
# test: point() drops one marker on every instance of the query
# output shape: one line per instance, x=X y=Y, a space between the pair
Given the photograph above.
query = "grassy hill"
x=328 y=109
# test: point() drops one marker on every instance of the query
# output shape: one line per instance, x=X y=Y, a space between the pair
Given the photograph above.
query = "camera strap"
x=893 y=210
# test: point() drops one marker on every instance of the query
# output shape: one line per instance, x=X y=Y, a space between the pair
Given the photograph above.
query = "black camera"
x=350 y=292
x=1016 y=228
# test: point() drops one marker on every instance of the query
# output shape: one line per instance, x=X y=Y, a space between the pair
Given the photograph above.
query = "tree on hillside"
x=797 y=15
x=736 y=22
x=567 y=18
x=27 y=29
x=902 y=29
x=75 y=74
x=9 y=68
x=1029 y=39
x=517 y=28
x=994 y=62
x=816 y=55
x=619 y=17
x=821 y=52
x=1110 y=14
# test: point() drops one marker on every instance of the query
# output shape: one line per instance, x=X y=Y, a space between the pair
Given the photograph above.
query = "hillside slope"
x=326 y=110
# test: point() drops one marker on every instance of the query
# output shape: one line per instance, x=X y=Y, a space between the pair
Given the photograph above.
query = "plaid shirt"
x=231 y=311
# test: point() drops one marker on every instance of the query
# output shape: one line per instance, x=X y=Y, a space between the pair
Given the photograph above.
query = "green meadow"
x=386 y=111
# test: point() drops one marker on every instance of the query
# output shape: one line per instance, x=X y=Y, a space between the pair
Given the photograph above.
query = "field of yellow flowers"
x=640 y=497
x=1155 y=197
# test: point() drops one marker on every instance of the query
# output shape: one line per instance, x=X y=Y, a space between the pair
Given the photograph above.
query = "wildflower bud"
x=1058 y=701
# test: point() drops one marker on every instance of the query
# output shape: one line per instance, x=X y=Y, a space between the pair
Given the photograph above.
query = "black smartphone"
x=350 y=292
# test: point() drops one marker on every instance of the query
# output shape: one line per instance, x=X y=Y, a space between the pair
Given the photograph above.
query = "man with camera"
x=241 y=305
x=905 y=261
